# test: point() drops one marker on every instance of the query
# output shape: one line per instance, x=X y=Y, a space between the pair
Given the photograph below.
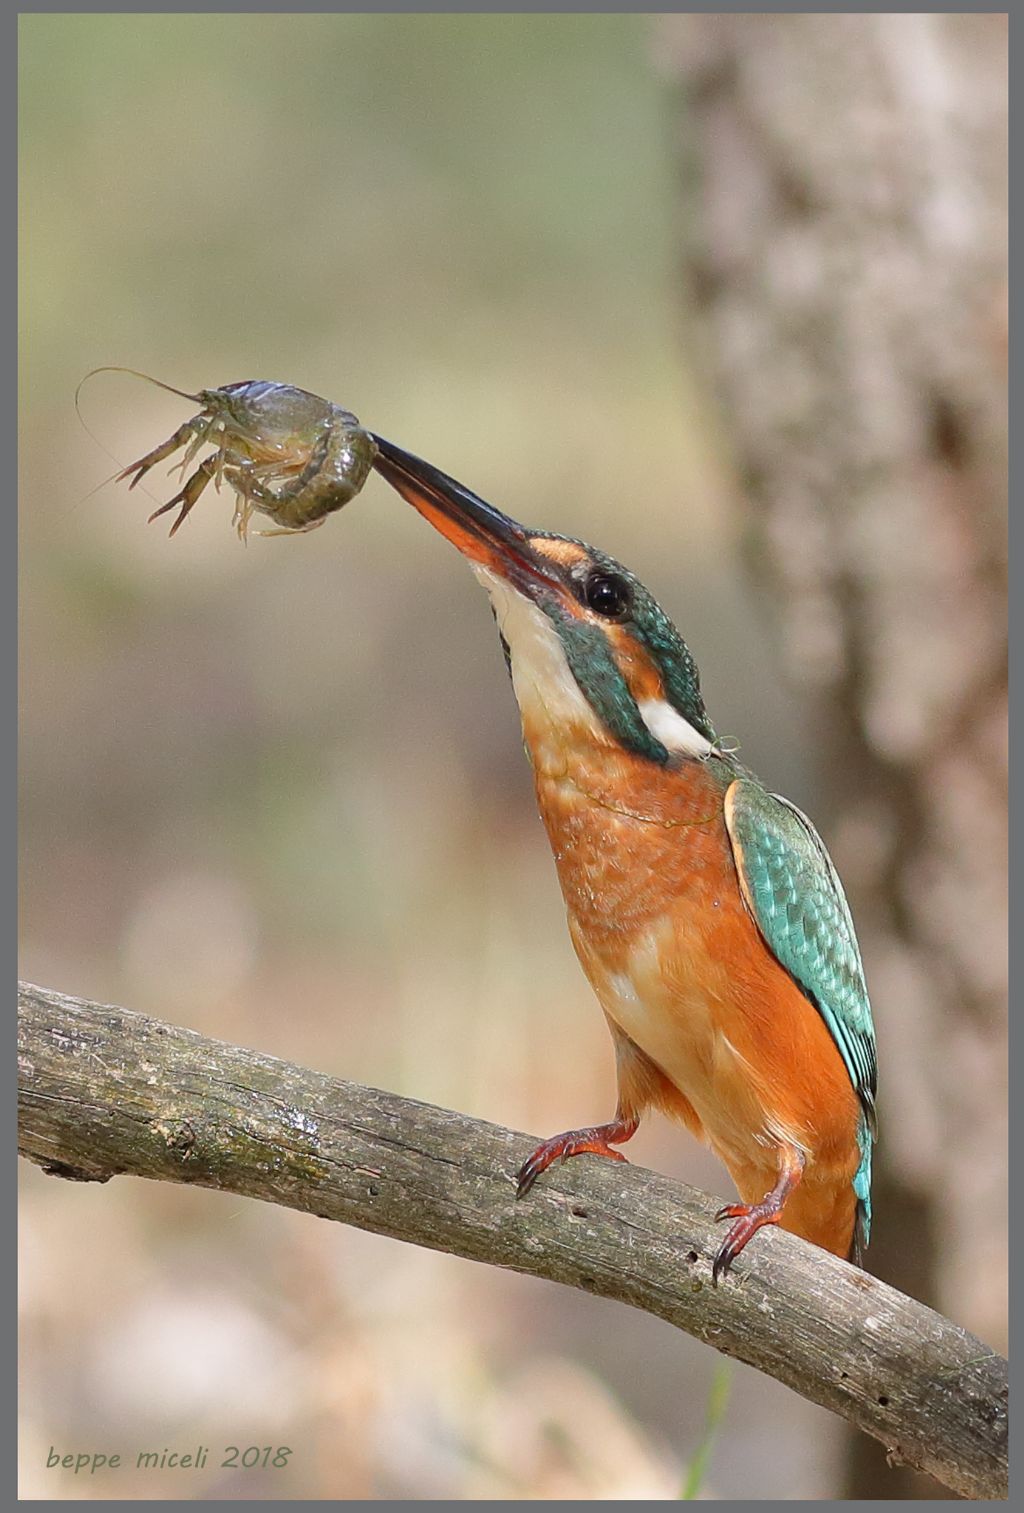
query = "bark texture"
x=845 y=244
x=104 y=1092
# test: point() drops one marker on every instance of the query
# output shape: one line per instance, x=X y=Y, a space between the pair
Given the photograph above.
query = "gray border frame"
x=8 y=598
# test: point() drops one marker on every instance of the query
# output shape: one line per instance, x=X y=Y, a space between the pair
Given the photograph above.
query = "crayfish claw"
x=188 y=495
x=138 y=468
x=183 y=434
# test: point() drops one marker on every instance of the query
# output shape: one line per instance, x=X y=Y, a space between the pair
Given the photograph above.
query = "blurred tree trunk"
x=845 y=244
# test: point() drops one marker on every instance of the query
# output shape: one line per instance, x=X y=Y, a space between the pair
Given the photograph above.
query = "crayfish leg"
x=184 y=433
x=244 y=506
x=295 y=530
x=189 y=494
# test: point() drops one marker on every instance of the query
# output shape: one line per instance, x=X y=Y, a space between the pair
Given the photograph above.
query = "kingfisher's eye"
x=608 y=595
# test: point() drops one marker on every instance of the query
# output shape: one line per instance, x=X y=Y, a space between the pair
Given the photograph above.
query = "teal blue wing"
x=794 y=894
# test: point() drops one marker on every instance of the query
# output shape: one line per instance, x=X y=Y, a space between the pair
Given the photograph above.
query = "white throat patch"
x=541 y=675
x=668 y=726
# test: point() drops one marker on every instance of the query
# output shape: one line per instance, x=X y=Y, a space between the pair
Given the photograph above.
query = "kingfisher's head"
x=590 y=650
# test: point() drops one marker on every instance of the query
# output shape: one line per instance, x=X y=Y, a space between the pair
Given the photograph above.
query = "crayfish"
x=286 y=453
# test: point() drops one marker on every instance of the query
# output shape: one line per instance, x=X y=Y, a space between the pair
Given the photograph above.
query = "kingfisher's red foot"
x=750 y=1217
x=596 y=1141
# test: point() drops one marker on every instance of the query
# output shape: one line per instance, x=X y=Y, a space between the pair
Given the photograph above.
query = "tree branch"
x=105 y=1092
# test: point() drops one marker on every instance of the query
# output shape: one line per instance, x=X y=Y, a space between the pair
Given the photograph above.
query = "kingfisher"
x=704 y=909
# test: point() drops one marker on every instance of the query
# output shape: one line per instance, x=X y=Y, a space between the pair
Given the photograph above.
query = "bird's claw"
x=749 y=1219
x=593 y=1142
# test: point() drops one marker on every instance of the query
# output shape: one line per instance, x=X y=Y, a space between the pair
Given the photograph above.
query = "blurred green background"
x=278 y=794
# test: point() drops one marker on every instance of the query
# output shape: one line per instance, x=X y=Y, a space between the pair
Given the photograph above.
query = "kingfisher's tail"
x=862 y=1187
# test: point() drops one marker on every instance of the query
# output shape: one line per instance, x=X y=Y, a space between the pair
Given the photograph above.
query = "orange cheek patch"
x=638 y=669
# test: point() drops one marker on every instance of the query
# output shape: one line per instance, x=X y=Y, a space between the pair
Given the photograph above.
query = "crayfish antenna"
x=109 y=368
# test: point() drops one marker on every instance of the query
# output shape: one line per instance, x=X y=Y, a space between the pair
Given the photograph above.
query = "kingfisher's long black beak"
x=481 y=532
